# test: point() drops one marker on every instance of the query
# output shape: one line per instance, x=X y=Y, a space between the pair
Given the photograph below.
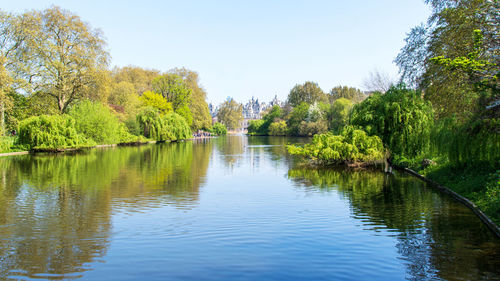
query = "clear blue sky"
x=251 y=48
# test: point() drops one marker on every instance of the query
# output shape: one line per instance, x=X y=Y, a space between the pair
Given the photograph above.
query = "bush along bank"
x=91 y=124
x=462 y=155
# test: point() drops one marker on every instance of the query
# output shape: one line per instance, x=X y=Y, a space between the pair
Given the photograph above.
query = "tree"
x=450 y=34
x=350 y=93
x=338 y=114
x=378 y=81
x=230 y=114
x=173 y=88
x=299 y=113
x=278 y=128
x=66 y=56
x=152 y=99
x=309 y=93
x=197 y=105
x=139 y=77
x=123 y=95
x=10 y=42
x=400 y=117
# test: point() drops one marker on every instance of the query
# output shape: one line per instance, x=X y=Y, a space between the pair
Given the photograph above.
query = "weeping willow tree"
x=350 y=146
x=400 y=117
x=168 y=127
x=51 y=132
x=477 y=141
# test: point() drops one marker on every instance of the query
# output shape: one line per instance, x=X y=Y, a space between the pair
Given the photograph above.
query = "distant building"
x=254 y=109
x=213 y=110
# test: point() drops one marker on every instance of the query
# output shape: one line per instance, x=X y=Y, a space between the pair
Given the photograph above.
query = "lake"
x=229 y=208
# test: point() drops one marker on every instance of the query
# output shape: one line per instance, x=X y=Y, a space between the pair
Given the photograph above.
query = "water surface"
x=233 y=208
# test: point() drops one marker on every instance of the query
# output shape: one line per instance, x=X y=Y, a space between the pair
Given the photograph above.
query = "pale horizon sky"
x=251 y=48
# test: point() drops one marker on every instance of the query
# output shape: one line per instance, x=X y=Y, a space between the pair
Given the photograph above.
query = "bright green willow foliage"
x=400 y=117
x=51 y=132
x=169 y=127
x=470 y=143
x=97 y=122
x=349 y=147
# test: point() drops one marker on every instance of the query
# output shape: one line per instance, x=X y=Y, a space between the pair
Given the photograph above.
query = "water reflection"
x=60 y=214
x=436 y=236
x=55 y=210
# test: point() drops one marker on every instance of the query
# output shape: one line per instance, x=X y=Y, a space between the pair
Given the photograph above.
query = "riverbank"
x=16 y=153
x=492 y=225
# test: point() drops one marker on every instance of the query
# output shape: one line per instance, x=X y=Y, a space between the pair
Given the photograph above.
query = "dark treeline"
x=55 y=85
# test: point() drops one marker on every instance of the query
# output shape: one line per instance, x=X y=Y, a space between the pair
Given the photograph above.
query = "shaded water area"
x=232 y=208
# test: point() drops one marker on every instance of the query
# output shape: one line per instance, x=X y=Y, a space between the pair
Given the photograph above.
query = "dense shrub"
x=255 y=127
x=278 y=128
x=96 y=121
x=51 y=132
x=400 y=117
x=349 y=147
x=219 y=129
x=169 y=127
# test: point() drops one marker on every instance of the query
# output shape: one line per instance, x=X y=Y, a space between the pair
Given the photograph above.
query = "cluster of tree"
x=309 y=111
x=230 y=114
x=51 y=61
x=450 y=113
x=350 y=146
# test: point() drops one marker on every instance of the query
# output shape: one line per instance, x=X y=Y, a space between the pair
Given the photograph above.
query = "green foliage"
x=6 y=144
x=96 y=121
x=489 y=200
x=261 y=127
x=298 y=114
x=219 y=129
x=51 y=132
x=309 y=93
x=230 y=114
x=454 y=58
x=338 y=114
x=255 y=127
x=123 y=95
x=197 y=105
x=185 y=112
x=479 y=183
x=350 y=93
x=172 y=88
x=312 y=128
x=152 y=99
x=401 y=118
x=169 y=127
x=467 y=144
x=349 y=147
x=278 y=128
x=59 y=56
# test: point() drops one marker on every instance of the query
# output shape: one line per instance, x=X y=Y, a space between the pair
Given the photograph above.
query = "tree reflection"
x=55 y=210
x=437 y=237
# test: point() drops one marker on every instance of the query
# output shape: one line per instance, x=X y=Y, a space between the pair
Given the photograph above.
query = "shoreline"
x=58 y=151
x=456 y=196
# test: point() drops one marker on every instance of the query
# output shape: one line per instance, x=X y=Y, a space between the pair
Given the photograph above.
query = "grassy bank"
x=479 y=183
